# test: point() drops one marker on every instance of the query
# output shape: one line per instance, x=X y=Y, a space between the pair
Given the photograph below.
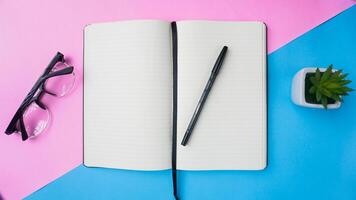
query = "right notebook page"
x=231 y=131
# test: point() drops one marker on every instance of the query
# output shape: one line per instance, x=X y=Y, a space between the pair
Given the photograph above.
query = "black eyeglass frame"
x=35 y=94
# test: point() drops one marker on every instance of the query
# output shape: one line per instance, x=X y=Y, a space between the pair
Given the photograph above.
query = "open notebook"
x=128 y=104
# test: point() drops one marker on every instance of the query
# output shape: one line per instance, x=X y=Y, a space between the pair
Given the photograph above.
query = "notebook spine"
x=174 y=125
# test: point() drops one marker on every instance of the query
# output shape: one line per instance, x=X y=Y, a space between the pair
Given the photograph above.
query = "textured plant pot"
x=298 y=89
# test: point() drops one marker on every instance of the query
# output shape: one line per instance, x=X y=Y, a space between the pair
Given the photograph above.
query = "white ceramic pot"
x=298 y=89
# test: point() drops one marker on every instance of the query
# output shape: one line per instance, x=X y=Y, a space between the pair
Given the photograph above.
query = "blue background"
x=311 y=152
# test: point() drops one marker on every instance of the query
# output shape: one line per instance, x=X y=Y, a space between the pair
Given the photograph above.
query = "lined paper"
x=128 y=95
x=231 y=131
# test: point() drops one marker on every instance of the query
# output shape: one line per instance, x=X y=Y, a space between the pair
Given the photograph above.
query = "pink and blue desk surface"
x=311 y=153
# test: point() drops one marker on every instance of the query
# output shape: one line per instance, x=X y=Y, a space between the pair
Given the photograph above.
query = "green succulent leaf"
x=337 y=74
x=348 y=89
x=314 y=80
x=327 y=73
x=318 y=95
x=342 y=76
x=345 y=82
x=317 y=73
x=326 y=92
x=332 y=85
x=324 y=101
x=312 y=90
x=336 y=97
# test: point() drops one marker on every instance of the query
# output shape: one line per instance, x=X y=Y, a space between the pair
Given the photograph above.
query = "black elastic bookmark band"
x=174 y=130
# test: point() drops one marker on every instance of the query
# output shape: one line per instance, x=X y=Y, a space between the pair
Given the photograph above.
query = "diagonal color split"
x=311 y=152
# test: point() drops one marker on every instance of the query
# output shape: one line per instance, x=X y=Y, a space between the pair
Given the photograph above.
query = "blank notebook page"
x=128 y=95
x=231 y=131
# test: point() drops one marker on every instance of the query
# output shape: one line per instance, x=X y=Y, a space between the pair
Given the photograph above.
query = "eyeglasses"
x=32 y=117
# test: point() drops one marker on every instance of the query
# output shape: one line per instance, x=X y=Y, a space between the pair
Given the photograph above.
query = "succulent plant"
x=330 y=84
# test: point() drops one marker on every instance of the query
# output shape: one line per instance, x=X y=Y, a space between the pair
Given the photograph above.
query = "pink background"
x=32 y=31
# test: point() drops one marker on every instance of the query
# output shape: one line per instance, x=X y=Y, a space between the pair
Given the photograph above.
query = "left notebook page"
x=128 y=95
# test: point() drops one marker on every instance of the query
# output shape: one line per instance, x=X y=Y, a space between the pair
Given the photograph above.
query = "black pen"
x=209 y=84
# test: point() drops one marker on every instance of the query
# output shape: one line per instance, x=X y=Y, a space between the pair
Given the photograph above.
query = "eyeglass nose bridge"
x=40 y=104
x=66 y=64
x=43 y=89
